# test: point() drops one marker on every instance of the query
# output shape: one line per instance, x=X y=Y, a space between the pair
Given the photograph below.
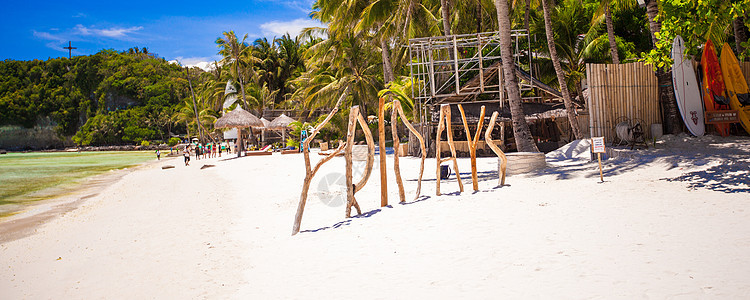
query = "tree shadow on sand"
x=346 y=222
x=729 y=176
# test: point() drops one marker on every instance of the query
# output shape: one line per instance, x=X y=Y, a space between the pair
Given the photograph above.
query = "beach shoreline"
x=24 y=221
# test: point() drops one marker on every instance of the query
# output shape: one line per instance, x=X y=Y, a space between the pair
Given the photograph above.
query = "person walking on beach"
x=158 y=154
x=186 y=154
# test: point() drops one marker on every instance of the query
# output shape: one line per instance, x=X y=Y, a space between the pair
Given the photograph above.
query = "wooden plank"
x=722 y=116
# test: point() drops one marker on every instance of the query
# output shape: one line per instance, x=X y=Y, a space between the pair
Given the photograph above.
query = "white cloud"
x=48 y=36
x=205 y=63
x=301 y=5
x=293 y=27
x=114 y=32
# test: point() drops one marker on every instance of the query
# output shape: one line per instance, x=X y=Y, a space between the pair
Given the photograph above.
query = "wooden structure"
x=397 y=111
x=356 y=117
x=445 y=123
x=617 y=91
x=473 y=144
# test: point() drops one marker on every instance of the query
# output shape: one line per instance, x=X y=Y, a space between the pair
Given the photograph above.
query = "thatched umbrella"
x=238 y=118
x=281 y=123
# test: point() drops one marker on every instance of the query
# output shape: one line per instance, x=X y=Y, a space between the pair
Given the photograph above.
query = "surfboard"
x=686 y=89
x=736 y=85
x=713 y=87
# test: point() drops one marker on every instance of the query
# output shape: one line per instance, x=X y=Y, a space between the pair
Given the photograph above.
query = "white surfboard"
x=687 y=90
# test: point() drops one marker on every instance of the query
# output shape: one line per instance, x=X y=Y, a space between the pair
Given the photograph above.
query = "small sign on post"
x=597 y=145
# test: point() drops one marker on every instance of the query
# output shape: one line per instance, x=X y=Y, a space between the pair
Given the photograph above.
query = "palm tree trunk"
x=739 y=33
x=479 y=16
x=526 y=16
x=569 y=108
x=195 y=105
x=611 y=35
x=521 y=132
x=387 y=67
x=444 y=9
x=672 y=123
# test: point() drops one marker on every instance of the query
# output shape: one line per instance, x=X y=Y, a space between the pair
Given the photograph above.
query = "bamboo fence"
x=625 y=91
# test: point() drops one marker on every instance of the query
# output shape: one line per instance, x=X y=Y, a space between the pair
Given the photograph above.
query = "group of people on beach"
x=209 y=150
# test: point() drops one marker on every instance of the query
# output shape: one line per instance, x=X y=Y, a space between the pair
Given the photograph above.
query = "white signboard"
x=598 y=144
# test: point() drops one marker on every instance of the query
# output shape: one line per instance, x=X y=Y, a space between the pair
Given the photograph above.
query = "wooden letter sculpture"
x=396 y=111
x=381 y=146
x=351 y=189
x=496 y=149
x=309 y=171
x=445 y=123
x=473 y=144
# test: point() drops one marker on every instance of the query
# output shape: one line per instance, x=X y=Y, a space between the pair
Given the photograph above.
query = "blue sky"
x=176 y=30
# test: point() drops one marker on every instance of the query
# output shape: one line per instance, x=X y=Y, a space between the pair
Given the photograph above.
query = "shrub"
x=173 y=141
x=145 y=143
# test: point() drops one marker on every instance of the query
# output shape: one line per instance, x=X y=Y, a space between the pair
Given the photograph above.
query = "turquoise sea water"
x=24 y=177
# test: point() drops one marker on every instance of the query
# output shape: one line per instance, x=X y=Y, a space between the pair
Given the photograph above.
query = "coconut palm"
x=559 y=71
x=521 y=132
x=238 y=55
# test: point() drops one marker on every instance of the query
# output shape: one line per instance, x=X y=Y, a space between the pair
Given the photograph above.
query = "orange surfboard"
x=714 y=91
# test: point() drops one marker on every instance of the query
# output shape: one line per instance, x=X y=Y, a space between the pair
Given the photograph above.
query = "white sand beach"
x=672 y=222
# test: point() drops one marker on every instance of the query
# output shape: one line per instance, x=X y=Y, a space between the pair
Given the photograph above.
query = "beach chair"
x=267 y=150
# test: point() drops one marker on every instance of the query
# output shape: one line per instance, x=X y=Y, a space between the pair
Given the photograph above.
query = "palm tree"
x=521 y=132
x=572 y=118
x=237 y=54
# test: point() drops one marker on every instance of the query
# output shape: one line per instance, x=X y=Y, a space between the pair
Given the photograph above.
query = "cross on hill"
x=70 y=49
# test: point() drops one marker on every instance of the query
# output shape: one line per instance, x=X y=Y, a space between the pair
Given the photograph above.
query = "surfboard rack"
x=722 y=117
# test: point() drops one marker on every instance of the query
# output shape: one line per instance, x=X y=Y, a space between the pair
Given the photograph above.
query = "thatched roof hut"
x=238 y=118
x=281 y=122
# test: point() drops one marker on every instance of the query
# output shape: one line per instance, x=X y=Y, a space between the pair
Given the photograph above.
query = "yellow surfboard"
x=736 y=86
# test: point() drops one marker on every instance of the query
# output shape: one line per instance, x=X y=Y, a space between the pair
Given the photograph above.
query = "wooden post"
x=496 y=149
x=473 y=144
x=601 y=175
x=381 y=145
x=309 y=171
x=396 y=109
x=445 y=122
